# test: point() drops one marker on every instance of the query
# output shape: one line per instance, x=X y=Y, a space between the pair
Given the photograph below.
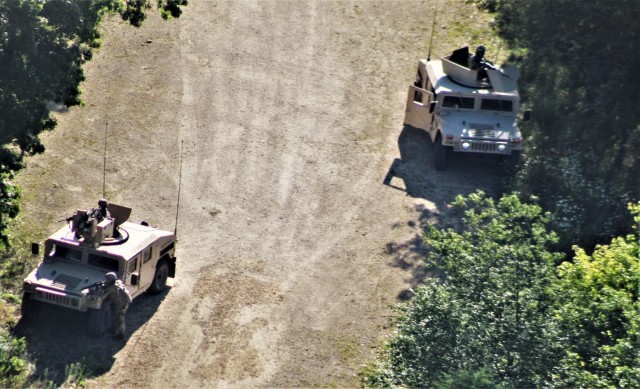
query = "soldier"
x=477 y=61
x=101 y=212
x=120 y=300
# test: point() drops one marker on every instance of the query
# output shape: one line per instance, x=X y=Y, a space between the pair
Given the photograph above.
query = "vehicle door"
x=417 y=113
x=132 y=275
x=147 y=267
x=420 y=96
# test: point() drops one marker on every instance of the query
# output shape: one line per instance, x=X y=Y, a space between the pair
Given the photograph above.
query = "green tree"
x=490 y=311
x=43 y=45
x=503 y=314
x=599 y=312
x=579 y=63
x=480 y=379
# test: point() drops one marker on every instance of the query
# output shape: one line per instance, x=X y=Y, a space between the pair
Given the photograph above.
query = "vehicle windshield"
x=496 y=105
x=106 y=263
x=458 y=102
x=65 y=252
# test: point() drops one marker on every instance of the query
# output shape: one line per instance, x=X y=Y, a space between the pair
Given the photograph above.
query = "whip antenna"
x=498 y=53
x=104 y=162
x=175 y=229
x=433 y=25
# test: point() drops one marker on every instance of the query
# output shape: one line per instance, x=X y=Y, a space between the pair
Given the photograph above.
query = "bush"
x=504 y=315
x=13 y=357
x=491 y=310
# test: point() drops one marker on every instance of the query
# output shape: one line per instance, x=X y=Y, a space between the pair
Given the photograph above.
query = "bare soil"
x=302 y=200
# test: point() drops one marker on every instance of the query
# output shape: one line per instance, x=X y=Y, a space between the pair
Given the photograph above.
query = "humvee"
x=465 y=110
x=77 y=257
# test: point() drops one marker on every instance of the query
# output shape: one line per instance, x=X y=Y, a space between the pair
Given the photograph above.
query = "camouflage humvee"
x=93 y=243
x=465 y=110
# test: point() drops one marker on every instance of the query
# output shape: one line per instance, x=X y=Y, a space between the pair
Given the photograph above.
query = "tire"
x=440 y=155
x=511 y=162
x=101 y=320
x=159 y=278
x=30 y=309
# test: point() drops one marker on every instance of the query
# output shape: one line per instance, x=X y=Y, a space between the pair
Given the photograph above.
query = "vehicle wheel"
x=101 y=320
x=30 y=309
x=440 y=155
x=511 y=162
x=160 y=278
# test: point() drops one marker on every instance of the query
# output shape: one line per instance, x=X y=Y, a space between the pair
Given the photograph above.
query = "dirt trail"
x=291 y=247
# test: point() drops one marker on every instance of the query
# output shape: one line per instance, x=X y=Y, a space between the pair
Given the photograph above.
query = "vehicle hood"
x=65 y=277
x=476 y=125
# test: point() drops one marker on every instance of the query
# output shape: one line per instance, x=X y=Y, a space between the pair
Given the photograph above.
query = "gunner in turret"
x=101 y=212
x=479 y=63
x=477 y=60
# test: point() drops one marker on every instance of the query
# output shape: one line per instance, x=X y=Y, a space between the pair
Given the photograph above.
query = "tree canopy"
x=490 y=310
x=43 y=45
x=579 y=62
x=504 y=314
x=598 y=310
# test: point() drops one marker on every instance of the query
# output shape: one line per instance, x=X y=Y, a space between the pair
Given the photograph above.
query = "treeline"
x=504 y=314
x=519 y=303
x=43 y=45
x=579 y=62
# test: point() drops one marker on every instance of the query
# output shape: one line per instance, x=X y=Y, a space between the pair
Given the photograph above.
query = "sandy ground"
x=302 y=195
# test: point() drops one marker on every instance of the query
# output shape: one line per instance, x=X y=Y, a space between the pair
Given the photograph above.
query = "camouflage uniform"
x=120 y=300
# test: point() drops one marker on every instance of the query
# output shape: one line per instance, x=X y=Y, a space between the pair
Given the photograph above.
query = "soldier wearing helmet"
x=101 y=212
x=120 y=299
x=479 y=63
x=476 y=61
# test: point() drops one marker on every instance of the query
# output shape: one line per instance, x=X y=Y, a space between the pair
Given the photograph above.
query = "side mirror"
x=134 y=279
x=35 y=249
x=432 y=106
x=526 y=115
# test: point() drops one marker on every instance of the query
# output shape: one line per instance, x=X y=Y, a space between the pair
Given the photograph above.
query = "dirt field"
x=302 y=194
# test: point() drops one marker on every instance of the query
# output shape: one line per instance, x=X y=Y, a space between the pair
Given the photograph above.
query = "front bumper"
x=485 y=147
x=76 y=302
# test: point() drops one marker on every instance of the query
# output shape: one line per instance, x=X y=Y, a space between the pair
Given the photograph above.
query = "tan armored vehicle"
x=93 y=243
x=465 y=110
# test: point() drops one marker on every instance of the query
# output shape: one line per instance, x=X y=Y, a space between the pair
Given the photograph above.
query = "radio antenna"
x=498 y=53
x=104 y=162
x=433 y=25
x=175 y=229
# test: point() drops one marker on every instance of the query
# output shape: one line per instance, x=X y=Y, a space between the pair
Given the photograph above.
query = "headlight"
x=502 y=148
x=466 y=146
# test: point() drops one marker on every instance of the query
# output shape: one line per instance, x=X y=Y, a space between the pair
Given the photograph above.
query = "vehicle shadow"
x=414 y=173
x=61 y=338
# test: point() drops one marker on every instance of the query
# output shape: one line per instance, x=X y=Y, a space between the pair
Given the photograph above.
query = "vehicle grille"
x=64 y=281
x=56 y=298
x=484 y=147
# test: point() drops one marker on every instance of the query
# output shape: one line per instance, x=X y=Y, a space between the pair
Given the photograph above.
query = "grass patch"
x=461 y=24
x=348 y=347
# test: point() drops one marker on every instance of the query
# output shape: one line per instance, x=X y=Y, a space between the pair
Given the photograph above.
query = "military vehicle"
x=78 y=256
x=466 y=110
